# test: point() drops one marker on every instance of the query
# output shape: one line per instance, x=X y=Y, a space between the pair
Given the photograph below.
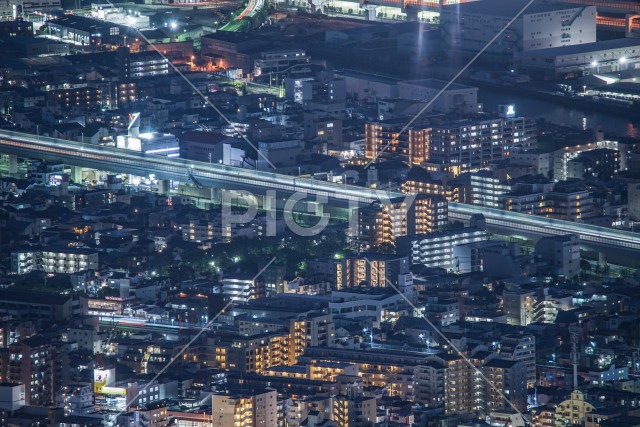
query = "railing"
x=550 y=226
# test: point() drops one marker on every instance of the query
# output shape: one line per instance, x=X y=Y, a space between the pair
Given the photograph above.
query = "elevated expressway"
x=259 y=182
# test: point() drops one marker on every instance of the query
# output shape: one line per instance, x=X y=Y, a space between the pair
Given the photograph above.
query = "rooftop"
x=508 y=9
x=436 y=84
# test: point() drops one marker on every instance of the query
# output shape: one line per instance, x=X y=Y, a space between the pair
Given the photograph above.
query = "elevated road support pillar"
x=163 y=186
x=370 y=11
x=76 y=174
x=13 y=164
x=412 y=15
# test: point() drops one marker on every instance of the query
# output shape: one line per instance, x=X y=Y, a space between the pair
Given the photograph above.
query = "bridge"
x=259 y=182
x=181 y=170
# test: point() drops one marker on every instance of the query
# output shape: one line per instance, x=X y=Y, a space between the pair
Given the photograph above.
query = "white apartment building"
x=53 y=260
x=486 y=189
x=437 y=249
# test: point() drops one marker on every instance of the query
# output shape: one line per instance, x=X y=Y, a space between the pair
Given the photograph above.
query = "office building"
x=602 y=56
x=469 y=27
x=85 y=31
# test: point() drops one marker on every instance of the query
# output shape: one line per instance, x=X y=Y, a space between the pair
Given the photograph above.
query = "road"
x=253 y=6
x=232 y=178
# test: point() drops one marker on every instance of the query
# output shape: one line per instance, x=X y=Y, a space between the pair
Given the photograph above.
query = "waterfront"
x=559 y=114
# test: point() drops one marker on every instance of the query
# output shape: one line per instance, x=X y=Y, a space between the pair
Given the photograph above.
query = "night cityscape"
x=320 y=213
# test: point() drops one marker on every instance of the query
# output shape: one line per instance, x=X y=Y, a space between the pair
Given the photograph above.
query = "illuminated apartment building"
x=154 y=414
x=328 y=371
x=252 y=354
x=370 y=269
x=380 y=224
x=31 y=362
x=379 y=368
x=86 y=98
x=309 y=330
x=126 y=93
x=356 y=412
x=568 y=200
x=419 y=180
x=385 y=141
x=521 y=348
x=573 y=411
x=455 y=382
x=250 y=408
x=382 y=304
x=469 y=145
x=456 y=146
x=54 y=260
x=486 y=189
x=436 y=249
x=507 y=378
x=76 y=399
x=242 y=288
